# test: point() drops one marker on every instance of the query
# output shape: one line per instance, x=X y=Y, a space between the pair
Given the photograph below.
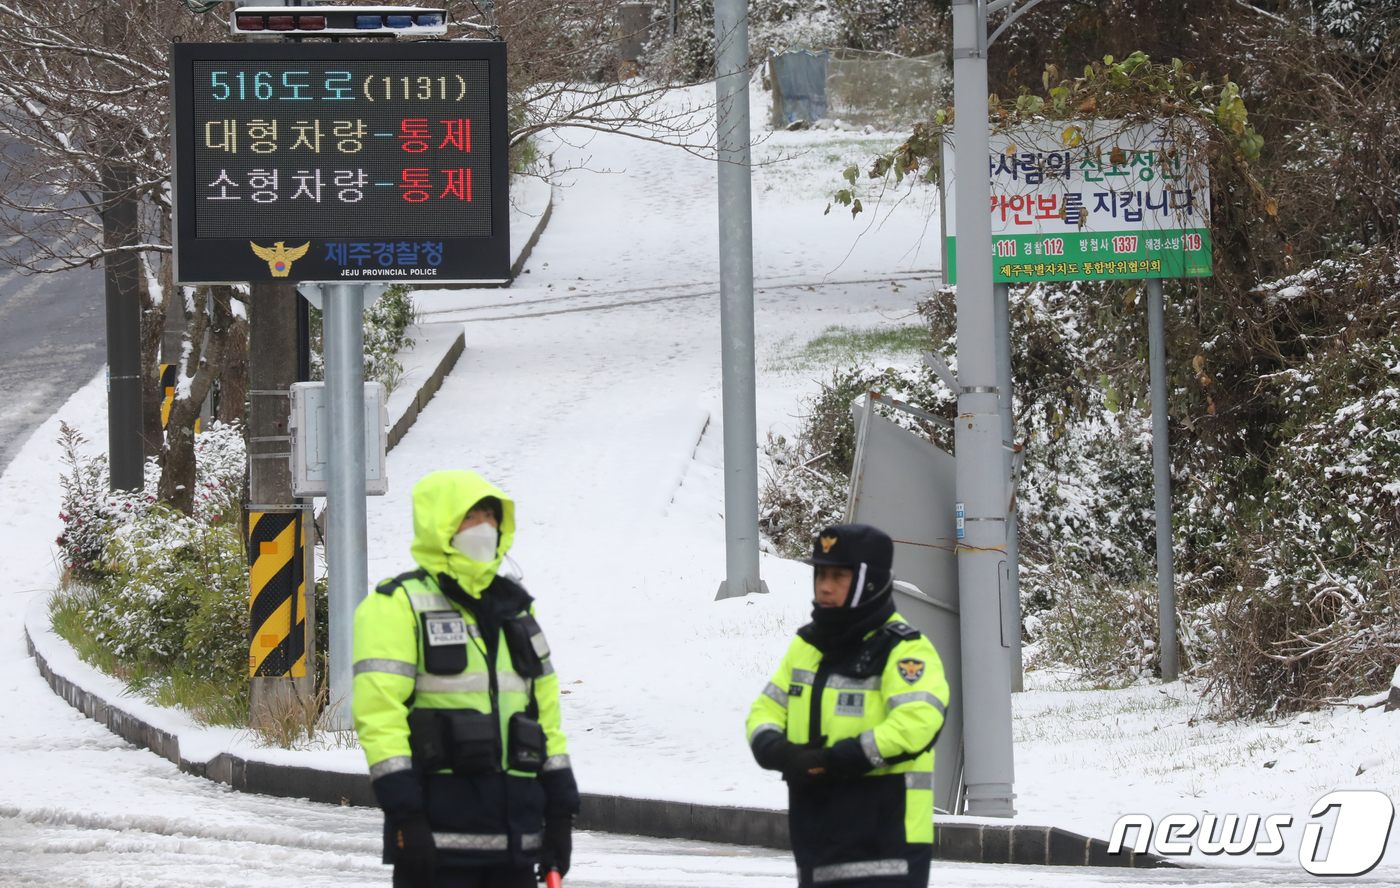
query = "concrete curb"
x=517 y=265
x=962 y=842
x=426 y=391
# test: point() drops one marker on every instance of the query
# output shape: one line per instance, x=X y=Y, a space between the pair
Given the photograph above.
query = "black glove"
x=415 y=855
x=806 y=766
x=773 y=751
x=777 y=753
x=558 y=845
x=846 y=758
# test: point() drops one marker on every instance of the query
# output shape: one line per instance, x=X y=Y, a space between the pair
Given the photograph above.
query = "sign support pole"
x=125 y=445
x=736 y=301
x=987 y=737
x=1162 y=476
x=347 y=559
x=1001 y=294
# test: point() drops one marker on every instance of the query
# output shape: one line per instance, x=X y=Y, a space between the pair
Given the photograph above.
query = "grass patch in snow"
x=208 y=700
x=839 y=344
x=808 y=164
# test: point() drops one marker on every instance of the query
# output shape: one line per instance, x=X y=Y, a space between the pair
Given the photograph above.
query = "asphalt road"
x=52 y=341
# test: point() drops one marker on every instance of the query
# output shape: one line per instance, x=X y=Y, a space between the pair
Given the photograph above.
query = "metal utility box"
x=311 y=448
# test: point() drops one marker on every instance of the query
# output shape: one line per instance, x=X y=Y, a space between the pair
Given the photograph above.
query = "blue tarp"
x=799 y=85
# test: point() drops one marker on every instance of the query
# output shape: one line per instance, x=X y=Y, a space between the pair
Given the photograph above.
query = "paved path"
x=52 y=340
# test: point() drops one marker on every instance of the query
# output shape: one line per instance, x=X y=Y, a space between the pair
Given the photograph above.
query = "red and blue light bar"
x=338 y=21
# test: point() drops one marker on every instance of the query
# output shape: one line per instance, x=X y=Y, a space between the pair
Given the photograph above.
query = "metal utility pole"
x=736 y=301
x=989 y=771
x=1001 y=293
x=124 y=420
x=347 y=560
x=1162 y=476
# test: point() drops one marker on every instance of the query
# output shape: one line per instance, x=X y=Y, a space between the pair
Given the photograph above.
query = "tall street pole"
x=1002 y=295
x=736 y=301
x=1162 y=476
x=125 y=447
x=981 y=489
x=347 y=560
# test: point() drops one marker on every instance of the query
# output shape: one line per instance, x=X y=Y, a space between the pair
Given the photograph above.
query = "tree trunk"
x=152 y=331
x=233 y=384
x=213 y=315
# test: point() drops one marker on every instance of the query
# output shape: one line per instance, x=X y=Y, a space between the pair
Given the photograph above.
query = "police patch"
x=911 y=670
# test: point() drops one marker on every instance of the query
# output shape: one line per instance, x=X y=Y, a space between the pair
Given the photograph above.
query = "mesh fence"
x=857 y=87
x=885 y=90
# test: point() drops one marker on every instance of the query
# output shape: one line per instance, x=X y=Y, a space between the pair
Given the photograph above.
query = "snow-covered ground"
x=590 y=392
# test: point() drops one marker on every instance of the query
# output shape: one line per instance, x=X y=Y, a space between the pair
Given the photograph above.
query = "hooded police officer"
x=850 y=719
x=457 y=704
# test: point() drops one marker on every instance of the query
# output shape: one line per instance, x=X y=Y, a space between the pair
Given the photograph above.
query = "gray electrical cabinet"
x=310 y=446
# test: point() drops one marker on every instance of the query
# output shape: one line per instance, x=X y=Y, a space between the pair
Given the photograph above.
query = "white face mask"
x=477 y=542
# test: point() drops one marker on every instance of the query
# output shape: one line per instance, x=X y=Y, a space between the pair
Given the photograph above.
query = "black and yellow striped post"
x=277 y=606
x=168 y=378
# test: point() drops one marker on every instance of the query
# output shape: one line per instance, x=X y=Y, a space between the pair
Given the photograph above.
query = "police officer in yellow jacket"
x=850 y=718
x=457 y=704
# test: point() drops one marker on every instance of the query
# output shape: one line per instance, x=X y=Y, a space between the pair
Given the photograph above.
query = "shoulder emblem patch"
x=911 y=670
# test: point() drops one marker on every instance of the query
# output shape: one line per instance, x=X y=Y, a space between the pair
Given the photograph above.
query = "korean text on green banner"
x=1094 y=200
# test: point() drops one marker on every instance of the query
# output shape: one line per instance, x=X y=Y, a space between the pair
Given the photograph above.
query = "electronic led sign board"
x=327 y=162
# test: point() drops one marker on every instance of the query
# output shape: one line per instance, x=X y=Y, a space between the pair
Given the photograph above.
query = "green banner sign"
x=1101 y=200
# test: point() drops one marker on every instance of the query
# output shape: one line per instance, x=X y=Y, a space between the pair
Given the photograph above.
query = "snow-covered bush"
x=1367 y=27
x=163 y=596
x=900 y=27
x=89 y=510
x=1106 y=631
x=166 y=574
x=1308 y=601
x=808 y=476
x=1085 y=508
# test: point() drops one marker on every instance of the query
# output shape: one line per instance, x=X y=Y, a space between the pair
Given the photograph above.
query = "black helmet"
x=867 y=551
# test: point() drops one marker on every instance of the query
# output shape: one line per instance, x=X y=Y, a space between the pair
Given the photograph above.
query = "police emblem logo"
x=827 y=543
x=911 y=670
x=279 y=258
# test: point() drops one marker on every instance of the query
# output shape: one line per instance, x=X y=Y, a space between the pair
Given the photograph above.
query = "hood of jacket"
x=440 y=502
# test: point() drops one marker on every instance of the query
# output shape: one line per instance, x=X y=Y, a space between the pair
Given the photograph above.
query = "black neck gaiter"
x=834 y=629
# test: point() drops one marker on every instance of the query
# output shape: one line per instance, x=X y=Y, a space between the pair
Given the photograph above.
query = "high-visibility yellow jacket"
x=441 y=652
x=884 y=701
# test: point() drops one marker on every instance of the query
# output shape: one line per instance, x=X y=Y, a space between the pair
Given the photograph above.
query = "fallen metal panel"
x=906 y=486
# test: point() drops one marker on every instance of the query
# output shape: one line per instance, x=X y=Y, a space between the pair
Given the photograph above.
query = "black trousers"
x=478 y=877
